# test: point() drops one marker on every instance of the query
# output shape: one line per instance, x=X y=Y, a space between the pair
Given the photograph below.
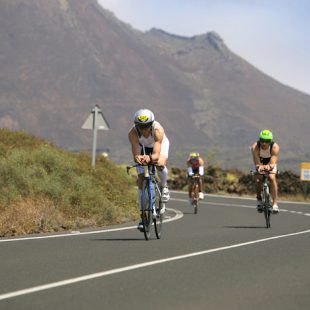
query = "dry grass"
x=27 y=216
x=43 y=188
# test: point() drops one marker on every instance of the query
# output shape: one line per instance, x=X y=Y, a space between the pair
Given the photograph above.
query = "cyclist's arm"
x=255 y=155
x=158 y=139
x=274 y=155
x=201 y=162
x=135 y=146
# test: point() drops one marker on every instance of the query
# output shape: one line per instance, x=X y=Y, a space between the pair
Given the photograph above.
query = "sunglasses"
x=144 y=126
x=264 y=141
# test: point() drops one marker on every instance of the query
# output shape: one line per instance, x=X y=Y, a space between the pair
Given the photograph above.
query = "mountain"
x=61 y=58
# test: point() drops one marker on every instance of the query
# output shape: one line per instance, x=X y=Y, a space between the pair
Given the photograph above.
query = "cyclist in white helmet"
x=265 y=154
x=149 y=143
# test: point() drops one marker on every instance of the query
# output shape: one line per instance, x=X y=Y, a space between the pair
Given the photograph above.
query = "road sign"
x=95 y=121
x=305 y=171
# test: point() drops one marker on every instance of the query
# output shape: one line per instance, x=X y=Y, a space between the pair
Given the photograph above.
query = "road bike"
x=195 y=191
x=151 y=203
x=265 y=194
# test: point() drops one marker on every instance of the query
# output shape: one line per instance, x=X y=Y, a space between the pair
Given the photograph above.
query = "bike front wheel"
x=158 y=220
x=147 y=216
x=267 y=212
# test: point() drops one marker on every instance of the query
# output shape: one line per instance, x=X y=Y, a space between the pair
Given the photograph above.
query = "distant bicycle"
x=267 y=206
x=152 y=206
x=195 y=191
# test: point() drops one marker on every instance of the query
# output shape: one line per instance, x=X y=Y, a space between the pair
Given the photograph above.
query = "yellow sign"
x=305 y=171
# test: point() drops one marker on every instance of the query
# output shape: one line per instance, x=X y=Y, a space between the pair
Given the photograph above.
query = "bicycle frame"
x=149 y=177
x=266 y=200
x=150 y=213
x=265 y=194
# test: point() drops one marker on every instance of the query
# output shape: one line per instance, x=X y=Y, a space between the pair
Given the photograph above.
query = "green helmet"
x=265 y=135
x=194 y=155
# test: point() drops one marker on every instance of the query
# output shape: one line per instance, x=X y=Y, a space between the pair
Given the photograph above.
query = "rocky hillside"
x=217 y=180
x=60 y=58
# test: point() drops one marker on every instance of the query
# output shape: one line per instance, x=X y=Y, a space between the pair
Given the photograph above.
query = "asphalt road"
x=221 y=258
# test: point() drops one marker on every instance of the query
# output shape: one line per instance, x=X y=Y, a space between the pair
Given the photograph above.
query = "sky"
x=272 y=35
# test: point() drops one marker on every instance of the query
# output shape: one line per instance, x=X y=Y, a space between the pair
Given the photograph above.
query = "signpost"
x=95 y=121
x=305 y=176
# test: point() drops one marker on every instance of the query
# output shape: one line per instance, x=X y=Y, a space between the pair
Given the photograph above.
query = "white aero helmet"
x=144 y=117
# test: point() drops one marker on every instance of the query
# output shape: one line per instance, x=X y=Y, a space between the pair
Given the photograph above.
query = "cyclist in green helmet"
x=265 y=156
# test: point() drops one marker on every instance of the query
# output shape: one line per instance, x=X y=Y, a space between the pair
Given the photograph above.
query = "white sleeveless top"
x=264 y=153
x=265 y=156
x=149 y=141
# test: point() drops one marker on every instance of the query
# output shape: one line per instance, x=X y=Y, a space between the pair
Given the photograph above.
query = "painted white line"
x=238 y=206
x=241 y=197
x=210 y=203
x=178 y=215
x=138 y=266
x=216 y=203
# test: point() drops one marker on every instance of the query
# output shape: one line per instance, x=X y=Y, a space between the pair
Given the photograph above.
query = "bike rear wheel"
x=147 y=216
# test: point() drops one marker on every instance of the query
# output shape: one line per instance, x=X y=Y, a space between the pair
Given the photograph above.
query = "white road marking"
x=242 y=197
x=239 y=206
x=137 y=266
x=178 y=215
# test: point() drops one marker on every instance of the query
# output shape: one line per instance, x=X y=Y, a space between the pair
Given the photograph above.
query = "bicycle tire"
x=147 y=216
x=158 y=220
x=267 y=212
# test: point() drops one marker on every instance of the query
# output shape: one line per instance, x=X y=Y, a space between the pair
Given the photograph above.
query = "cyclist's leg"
x=140 y=184
x=274 y=192
x=189 y=185
x=190 y=188
x=201 y=190
x=163 y=176
x=163 y=173
x=258 y=184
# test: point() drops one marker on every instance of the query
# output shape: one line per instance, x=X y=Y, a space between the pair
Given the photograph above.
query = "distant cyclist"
x=195 y=165
x=265 y=156
x=149 y=144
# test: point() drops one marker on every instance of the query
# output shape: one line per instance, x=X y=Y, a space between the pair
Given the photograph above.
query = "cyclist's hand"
x=140 y=159
x=267 y=168
x=263 y=168
x=147 y=159
x=260 y=168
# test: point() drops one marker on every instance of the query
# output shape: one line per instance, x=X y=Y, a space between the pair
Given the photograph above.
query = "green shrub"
x=67 y=181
